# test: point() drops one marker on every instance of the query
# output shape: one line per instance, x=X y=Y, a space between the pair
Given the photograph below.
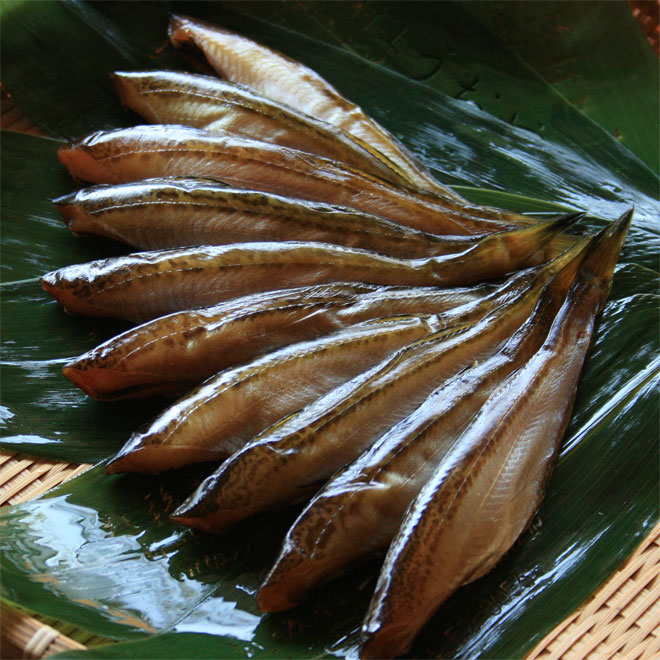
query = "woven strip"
x=621 y=620
x=33 y=638
x=24 y=478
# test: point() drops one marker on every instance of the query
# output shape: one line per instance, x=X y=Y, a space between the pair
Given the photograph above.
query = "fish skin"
x=359 y=510
x=145 y=285
x=174 y=212
x=224 y=108
x=289 y=82
x=336 y=428
x=223 y=413
x=488 y=488
x=139 y=152
x=202 y=342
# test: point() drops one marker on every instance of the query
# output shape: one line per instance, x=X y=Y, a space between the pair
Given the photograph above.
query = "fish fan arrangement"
x=353 y=393
x=344 y=320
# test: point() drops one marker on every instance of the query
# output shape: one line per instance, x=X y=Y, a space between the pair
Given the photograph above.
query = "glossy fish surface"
x=180 y=350
x=145 y=285
x=173 y=212
x=280 y=78
x=224 y=108
x=139 y=152
x=360 y=509
x=484 y=493
x=337 y=427
x=227 y=410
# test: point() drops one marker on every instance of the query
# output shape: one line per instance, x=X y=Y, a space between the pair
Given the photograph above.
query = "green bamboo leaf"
x=67 y=547
x=91 y=552
x=551 y=38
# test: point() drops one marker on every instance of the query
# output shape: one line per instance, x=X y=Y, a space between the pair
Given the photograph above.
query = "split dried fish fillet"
x=484 y=493
x=161 y=213
x=226 y=411
x=176 y=352
x=224 y=108
x=145 y=285
x=140 y=152
x=359 y=510
x=334 y=430
x=289 y=82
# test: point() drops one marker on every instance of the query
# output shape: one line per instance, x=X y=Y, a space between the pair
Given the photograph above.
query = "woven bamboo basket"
x=621 y=620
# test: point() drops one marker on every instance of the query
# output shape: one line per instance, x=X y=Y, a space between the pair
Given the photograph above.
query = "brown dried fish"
x=360 y=509
x=223 y=413
x=338 y=427
x=175 y=352
x=284 y=80
x=224 y=108
x=132 y=154
x=149 y=284
x=484 y=493
x=173 y=212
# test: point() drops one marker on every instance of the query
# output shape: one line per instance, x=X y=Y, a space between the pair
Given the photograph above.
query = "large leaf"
x=617 y=89
x=100 y=551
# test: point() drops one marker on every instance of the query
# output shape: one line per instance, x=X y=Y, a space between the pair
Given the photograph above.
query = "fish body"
x=175 y=352
x=360 y=508
x=484 y=493
x=335 y=429
x=289 y=82
x=139 y=152
x=226 y=411
x=173 y=212
x=224 y=108
x=145 y=285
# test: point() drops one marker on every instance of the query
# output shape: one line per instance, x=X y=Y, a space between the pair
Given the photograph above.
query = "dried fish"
x=175 y=352
x=145 y=285
x=224 y=108
x=359 y=509
x=227 y=410
x=484 y=493
x=173 y=212
x=284 y=80
x=132 y=154
x=335 y=429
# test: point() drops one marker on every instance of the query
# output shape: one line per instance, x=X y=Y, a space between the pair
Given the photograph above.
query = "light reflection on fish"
x=175 y=352
x=484 y=493
x=145 y=285
x=171 y=212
